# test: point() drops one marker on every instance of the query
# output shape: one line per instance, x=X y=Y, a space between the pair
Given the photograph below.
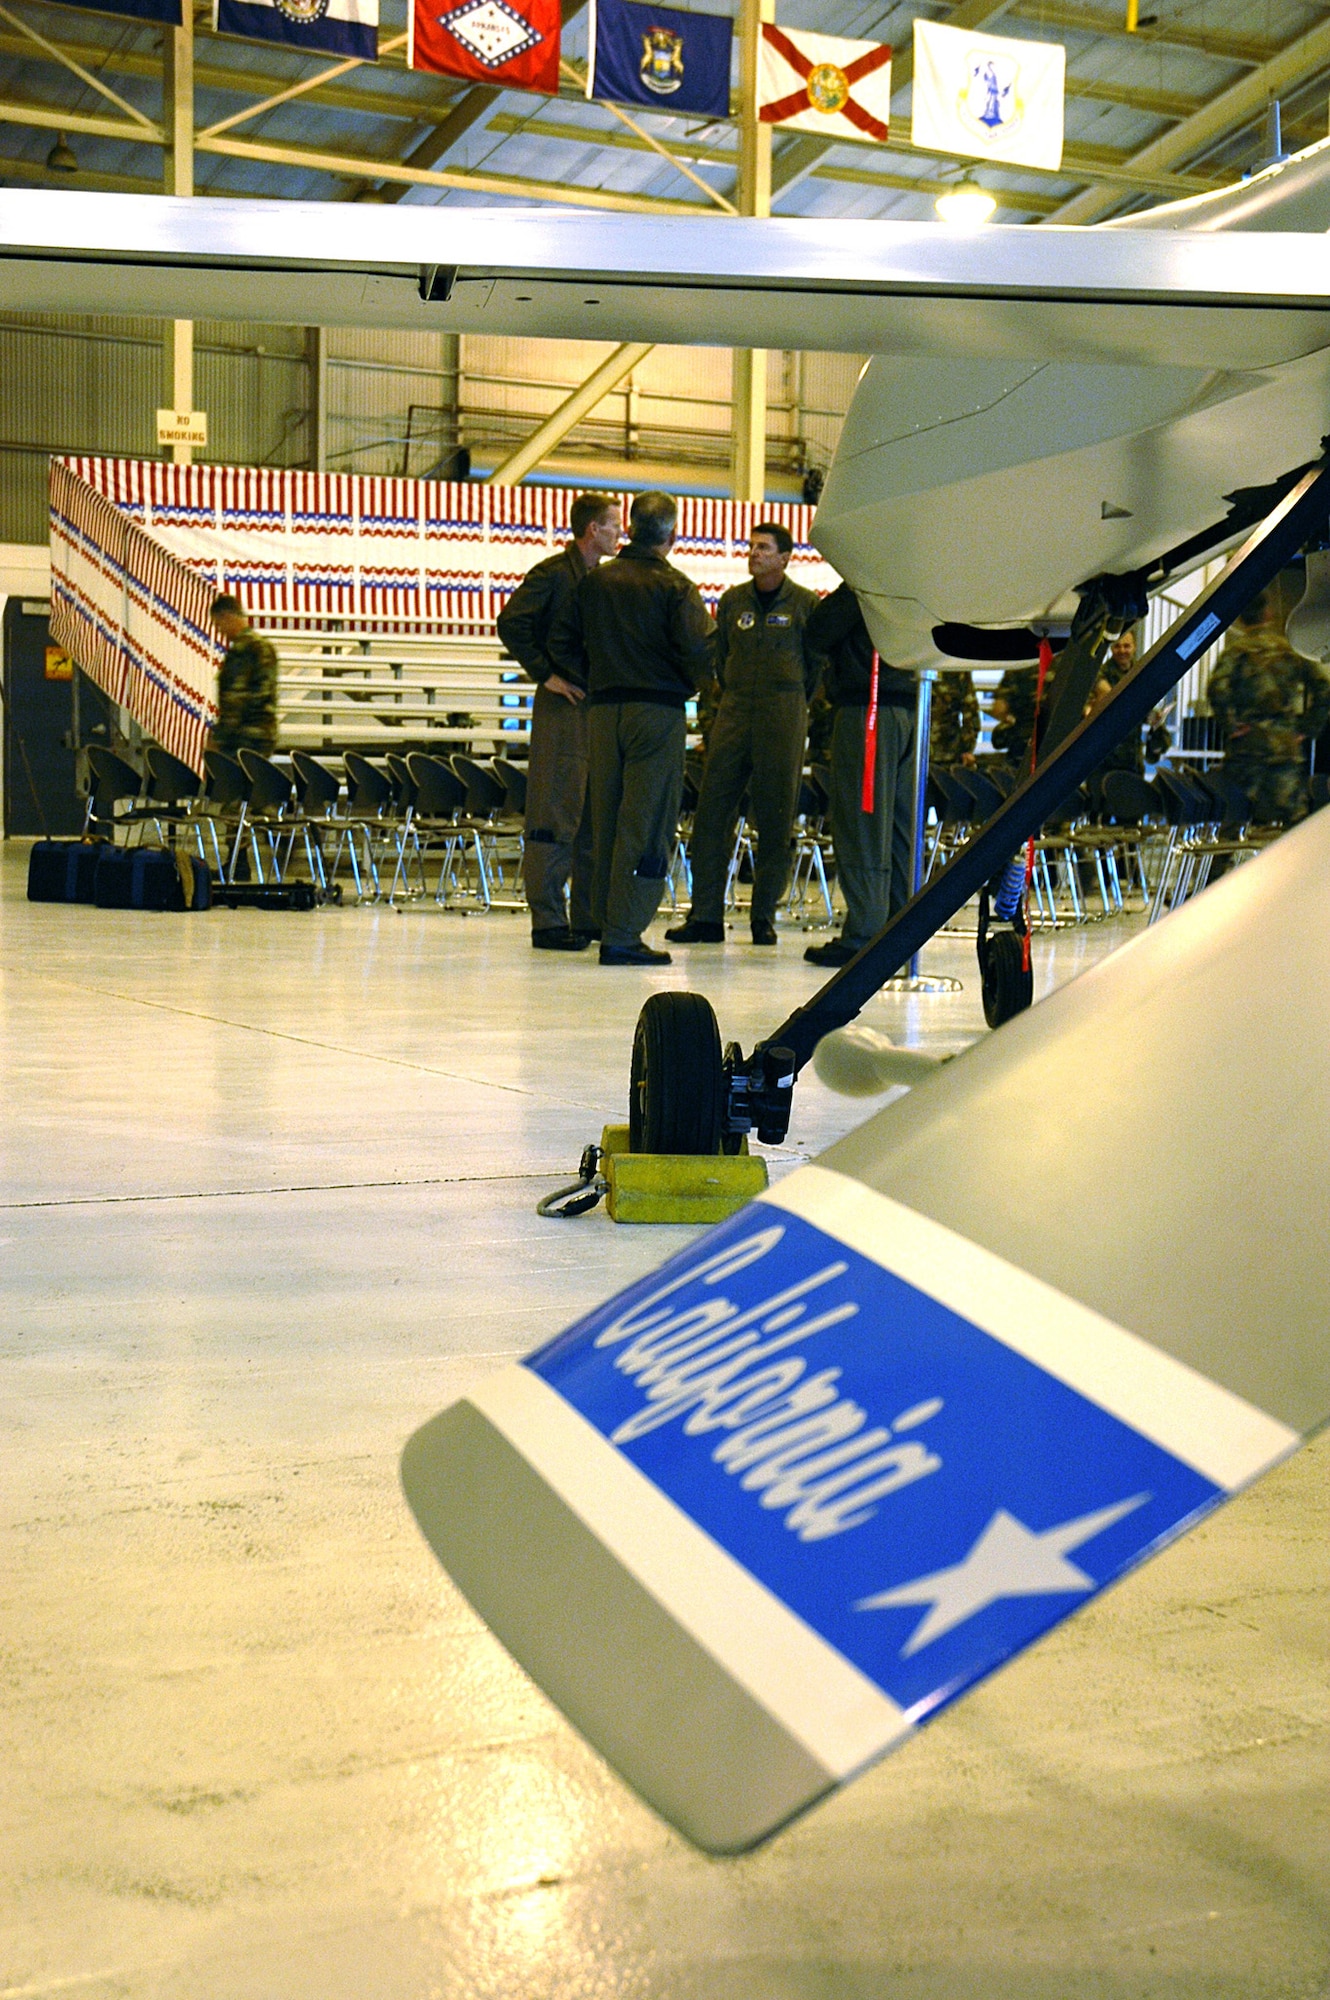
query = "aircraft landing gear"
x=676 y=1094
x=1008 y=982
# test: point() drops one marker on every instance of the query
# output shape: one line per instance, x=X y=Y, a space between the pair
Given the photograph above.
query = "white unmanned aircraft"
x=753 y=1521
x=981 y=491
x=1043 y=404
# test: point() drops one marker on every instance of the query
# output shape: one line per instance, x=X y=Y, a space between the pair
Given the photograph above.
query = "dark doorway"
x=50 y=707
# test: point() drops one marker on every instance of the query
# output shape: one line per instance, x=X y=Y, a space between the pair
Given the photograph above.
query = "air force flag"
x=660 y=57
x=988 y=97
x=326 y=27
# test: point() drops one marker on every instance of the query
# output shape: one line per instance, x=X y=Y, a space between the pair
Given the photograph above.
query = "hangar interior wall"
x=346 y=400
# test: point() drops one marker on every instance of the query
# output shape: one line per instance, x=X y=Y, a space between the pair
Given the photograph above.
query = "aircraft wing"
x=1140 y=296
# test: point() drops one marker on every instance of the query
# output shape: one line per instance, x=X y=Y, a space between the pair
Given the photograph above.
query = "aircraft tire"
x=1008 y=987
x=677 y=1090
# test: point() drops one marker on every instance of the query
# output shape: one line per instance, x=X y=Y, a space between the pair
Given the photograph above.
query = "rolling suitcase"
x=63 y=871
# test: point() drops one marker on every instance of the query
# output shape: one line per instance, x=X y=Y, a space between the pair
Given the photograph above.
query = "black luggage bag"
x=63 y=871
x=151 y=878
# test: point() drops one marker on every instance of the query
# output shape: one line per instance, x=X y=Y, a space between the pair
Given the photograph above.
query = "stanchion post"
x=923 y=725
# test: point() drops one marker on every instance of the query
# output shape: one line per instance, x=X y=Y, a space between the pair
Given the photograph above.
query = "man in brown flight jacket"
x=639 y=633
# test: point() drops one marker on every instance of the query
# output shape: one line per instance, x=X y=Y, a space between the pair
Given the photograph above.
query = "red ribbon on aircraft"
x=870 y=740
x=1045 y=662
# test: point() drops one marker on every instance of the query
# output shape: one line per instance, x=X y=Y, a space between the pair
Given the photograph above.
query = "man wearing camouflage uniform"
x=1015 y=700
x=766 y=673
x=1269 y=701
x=954 y=725
x=246 y=684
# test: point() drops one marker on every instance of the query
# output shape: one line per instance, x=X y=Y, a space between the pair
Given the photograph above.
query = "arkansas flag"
x=988 y=97
x=818 y=83
x=512 y=42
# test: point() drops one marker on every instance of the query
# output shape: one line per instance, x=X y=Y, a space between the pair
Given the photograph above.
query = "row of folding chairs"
x=249 y=814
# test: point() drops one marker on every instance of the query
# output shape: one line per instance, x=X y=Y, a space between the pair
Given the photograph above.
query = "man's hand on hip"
x=568 y=689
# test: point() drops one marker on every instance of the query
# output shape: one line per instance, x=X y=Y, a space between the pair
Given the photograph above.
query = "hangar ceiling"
x=1175 y=108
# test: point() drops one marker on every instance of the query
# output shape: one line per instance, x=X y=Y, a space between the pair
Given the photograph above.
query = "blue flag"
x=325 y=27
x=660 y=57
x=167 y=11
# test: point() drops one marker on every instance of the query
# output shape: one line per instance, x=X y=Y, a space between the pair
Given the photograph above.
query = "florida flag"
x=988 y=97
x=510 y=42
x=819 y=83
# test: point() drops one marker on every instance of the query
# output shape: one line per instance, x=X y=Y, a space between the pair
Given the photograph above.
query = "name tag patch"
x=923 y=1496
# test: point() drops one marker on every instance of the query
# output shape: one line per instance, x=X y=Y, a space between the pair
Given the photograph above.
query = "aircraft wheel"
x=677 y=1091
x=1008 y=987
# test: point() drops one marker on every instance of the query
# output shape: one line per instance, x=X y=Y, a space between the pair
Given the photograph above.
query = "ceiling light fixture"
x=966 y=206
x=62 y=159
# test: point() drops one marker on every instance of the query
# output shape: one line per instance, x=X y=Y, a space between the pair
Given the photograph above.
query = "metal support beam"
x=1227 y=113
x=315 y=82
x=59 y=120
x=469 y=110
x=1169 y=34
x=316 y=348
x=748 y=473
x=86 y=76
x=557 y=425
x=178 y=179
x=358 y=167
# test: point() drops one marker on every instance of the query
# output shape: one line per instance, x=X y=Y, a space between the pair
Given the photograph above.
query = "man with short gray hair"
x=557 y=857
x=636 y=630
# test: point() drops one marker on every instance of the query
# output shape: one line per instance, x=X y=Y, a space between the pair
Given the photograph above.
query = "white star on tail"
x=1008 y=1560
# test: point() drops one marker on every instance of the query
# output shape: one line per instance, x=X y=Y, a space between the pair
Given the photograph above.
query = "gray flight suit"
x=766 y=673
x=874 y=851
x=557 y=856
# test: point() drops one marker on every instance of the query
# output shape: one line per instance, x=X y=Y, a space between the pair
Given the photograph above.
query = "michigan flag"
x=988 y=97
x=819 y=83
x=509 y=42
x=660 y=57
x=327 y=27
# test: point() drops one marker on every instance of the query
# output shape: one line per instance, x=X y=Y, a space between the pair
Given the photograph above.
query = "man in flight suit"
x=557 y=846
x=874 y=851
x=637 y=631
x=766 y=674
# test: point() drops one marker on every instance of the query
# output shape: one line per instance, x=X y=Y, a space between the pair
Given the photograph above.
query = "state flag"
x=661 y=57
x=988 y=97
x=507 y=42
x=166 y=11
x=821 y=83
x=324 y=27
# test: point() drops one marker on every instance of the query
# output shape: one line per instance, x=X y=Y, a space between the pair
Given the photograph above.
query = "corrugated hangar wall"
x=392 y=403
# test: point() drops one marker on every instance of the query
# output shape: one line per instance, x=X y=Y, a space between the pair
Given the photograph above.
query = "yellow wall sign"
x=59 y=665
x=182 y=427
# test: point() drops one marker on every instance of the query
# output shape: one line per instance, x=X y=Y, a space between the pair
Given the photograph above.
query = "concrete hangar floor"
x=268 y=1192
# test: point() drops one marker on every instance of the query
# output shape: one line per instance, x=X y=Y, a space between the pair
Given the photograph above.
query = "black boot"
x=554 y=939
x=694 y=932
